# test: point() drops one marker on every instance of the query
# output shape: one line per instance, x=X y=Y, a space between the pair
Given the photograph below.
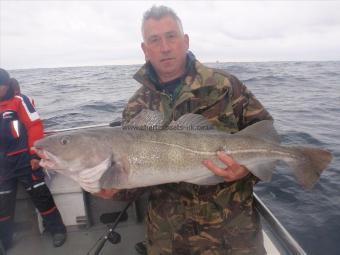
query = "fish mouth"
x=48 y=160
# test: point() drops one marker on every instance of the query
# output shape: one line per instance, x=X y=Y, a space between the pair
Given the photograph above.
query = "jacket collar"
x=148 y=77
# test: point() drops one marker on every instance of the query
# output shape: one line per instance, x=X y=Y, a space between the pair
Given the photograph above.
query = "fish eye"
x=65 y=140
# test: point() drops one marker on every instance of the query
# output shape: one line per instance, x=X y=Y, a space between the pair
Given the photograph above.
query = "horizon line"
x=140 y=64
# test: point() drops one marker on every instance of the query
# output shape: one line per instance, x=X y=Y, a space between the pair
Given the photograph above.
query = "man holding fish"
x=201 y=180
x=187 y=218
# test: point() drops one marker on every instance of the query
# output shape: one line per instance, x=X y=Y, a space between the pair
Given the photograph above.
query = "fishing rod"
x=114 y=123
x=110 y=235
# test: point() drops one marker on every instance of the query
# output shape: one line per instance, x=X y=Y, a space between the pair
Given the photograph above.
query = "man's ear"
x=186 y=41
x=144 y=48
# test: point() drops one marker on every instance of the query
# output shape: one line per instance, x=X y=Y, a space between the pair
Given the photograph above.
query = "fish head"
x=73 y=151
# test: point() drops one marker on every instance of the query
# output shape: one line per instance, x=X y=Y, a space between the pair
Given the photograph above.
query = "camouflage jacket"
x=230 y=106
x=219 y=96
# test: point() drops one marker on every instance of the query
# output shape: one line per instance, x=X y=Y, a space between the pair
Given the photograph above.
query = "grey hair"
x=159 y=12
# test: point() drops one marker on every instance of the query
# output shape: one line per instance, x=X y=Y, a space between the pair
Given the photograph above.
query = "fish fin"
x=206 y=180
x=116 y=174
x=264 y=130
x=147 y=119
x=191 y=121
x=89 y=178
x=263 y=171
x=309 y=166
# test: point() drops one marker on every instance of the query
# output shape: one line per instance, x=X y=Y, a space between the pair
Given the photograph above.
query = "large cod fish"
x=143 y=153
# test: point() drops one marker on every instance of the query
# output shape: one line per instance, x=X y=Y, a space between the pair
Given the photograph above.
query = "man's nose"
x=165 y=46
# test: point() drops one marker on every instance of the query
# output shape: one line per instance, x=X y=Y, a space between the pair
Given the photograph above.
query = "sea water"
x=303 y=98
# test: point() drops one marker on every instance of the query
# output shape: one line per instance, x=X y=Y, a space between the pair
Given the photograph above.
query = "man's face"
x=165 y=47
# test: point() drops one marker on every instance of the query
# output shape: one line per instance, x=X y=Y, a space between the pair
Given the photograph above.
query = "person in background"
x=17 y=91
x=15 y=85
x=185 y=218
x=20 y=127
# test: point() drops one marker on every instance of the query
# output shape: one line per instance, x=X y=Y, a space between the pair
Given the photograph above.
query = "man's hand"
x=106 y=193
x=232 y=172
x=35 y=164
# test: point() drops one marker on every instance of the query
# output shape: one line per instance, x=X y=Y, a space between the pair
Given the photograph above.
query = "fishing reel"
x=111 y=235
x=114 y=237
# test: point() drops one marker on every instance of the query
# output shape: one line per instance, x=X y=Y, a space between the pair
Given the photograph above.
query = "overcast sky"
x=83 y=33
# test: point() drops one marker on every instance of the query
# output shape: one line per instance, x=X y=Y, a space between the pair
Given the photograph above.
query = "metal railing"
x=285 y=239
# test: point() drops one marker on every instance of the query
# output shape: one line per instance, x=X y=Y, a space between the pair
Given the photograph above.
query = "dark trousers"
x=41 y=197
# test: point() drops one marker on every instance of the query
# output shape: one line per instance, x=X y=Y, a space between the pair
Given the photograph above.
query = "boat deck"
x=82 y=239
x=85 y=226
x=79 y=241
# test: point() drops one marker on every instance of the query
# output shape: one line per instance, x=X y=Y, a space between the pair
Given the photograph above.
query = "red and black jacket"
x=20 y=127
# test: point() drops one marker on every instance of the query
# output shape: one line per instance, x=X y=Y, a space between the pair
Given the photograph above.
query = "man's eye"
x=171 y=35
x=153 y=40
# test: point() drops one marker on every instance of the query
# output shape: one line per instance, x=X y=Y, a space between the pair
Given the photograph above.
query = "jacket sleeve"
x=248 y=110
x=31 y=120
x=246 y=107
x=135 y=105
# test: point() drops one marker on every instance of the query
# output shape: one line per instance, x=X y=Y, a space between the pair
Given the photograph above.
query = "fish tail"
x=309 y=165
